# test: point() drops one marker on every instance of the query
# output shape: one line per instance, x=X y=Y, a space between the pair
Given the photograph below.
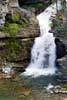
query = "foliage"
x=12 y=50
x=13 y=47
x=11 y=29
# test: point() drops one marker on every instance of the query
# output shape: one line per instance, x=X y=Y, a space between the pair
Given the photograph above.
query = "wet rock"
x=57 y=89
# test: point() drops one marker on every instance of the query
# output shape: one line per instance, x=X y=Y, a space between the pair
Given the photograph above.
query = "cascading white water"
x=43 y=52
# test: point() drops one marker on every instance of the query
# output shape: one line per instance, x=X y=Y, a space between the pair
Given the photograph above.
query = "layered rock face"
x=26 y=34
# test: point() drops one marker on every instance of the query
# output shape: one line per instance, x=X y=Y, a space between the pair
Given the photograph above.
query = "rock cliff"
x=28 y=30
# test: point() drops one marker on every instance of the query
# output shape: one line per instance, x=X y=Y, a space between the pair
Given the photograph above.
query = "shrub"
x=13 y=47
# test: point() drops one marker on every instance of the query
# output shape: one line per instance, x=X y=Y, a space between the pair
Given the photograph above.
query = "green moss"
x=14 y=47
x=15 y=17
x=11 y=29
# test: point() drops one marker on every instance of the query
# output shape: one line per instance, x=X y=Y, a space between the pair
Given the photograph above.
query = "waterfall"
x=43 y=53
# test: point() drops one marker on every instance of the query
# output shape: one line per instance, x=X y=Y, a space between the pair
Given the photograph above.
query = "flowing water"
x=43 y=54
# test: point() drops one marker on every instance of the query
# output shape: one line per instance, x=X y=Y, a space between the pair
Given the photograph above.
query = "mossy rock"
x=15 y=17
x=11 y=29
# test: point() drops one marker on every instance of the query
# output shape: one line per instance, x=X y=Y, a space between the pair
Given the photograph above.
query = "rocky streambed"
x=17 y=90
